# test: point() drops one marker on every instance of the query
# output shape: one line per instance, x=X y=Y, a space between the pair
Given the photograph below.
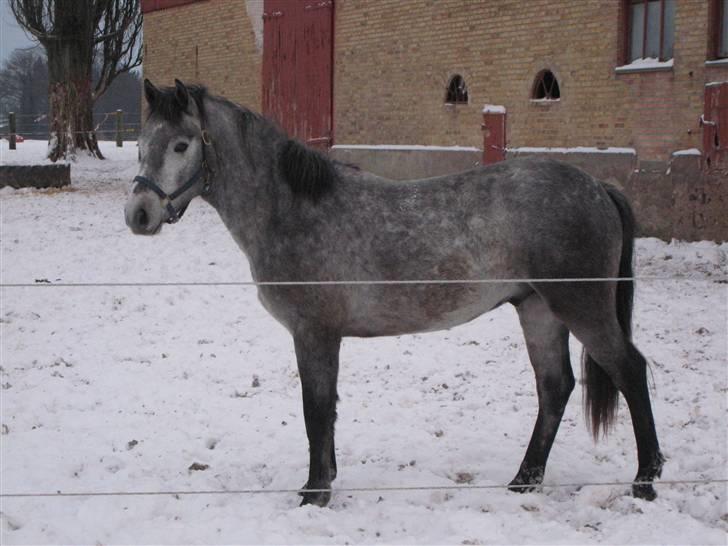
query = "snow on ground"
x=124 y=389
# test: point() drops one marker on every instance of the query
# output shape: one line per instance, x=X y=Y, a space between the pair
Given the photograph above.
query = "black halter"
x=175 y=214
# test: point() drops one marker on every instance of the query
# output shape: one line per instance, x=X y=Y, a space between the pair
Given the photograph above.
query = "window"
x=651 y=29
x=457 y=91
x=545 y=87
x=719 y=29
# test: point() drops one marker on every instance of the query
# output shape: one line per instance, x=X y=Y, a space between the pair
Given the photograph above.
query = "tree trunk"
x=70 y=101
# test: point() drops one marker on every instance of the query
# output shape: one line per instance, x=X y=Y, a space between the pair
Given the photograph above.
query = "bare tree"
x=24 y=82
x=75 y=35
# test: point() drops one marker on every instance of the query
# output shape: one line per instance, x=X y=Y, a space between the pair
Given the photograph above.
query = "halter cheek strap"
x=174 y=214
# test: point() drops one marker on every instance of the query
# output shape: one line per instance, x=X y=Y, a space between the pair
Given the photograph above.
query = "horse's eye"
x=180 y=147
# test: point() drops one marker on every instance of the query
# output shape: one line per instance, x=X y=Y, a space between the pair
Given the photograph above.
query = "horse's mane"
x=308 y=173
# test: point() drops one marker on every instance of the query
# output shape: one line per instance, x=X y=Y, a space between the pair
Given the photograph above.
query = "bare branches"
x=118 y=41
x=80 y=36
x=35 y=17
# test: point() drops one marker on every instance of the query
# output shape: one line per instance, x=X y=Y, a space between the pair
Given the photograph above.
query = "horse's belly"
x=407 y=309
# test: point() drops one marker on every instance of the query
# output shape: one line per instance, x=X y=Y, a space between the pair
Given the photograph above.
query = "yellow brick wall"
x=393 y=60
x=212 y=42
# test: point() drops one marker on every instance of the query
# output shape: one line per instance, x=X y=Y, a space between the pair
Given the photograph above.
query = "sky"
x=11 y=35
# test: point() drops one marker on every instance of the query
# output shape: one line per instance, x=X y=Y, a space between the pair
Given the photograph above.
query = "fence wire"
x=48 y=284
x=380 y=489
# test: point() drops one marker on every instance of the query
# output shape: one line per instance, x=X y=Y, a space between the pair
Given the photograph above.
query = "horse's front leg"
x=317 y=352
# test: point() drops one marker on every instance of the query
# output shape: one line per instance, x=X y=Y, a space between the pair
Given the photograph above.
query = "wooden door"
x=715 y=124
x=494 y=134
x=298 y=68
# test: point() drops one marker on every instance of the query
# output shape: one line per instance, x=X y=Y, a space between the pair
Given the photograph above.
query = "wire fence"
x=118 y=125
x=650 y=278
x=377 y=489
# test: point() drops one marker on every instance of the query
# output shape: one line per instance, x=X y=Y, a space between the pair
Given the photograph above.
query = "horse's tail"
x=600 y=394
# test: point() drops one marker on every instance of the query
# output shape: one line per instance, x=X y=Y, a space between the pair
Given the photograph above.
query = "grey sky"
x=11 y=36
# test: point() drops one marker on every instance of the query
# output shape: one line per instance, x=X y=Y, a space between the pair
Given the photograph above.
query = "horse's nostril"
x=141 y=218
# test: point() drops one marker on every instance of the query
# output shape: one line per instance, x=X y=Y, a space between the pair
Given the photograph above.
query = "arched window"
x=546 y=87
x=457 y=91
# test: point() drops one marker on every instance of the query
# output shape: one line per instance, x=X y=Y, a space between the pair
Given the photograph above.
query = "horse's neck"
x=240 y=190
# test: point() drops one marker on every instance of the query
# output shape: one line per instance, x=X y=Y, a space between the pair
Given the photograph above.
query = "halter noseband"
x=175 y=214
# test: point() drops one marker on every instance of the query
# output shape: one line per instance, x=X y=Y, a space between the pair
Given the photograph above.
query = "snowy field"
x=133 y=388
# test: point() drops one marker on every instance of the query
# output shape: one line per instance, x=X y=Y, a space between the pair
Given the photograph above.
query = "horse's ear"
x=181 y=94
x=150 y=92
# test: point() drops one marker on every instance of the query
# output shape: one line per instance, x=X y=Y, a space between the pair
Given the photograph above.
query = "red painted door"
x=298 y=68
x=494 y=134
x=715 y=124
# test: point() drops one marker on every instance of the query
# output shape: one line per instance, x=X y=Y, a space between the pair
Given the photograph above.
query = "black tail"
x=600 y=395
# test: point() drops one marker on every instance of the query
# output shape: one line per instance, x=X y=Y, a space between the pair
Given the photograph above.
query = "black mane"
x=308 y=173
x=166 y=105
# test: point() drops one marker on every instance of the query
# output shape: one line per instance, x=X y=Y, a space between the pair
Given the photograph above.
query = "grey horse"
x=299 y=216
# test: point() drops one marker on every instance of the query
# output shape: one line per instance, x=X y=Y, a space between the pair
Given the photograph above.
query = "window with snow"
x=651 y=29
x=457 y=91
x=546 y=86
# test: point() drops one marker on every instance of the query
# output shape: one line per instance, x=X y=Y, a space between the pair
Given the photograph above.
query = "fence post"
x=11 y=121
x=119 y=128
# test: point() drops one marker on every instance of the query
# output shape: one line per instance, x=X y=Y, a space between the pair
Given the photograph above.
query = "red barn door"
x=715 y=123
x=298 y=68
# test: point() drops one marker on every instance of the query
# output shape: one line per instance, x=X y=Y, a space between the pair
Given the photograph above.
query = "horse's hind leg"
x=626 y=368
x=547 y=340
x=612 y=363
x=317 y=353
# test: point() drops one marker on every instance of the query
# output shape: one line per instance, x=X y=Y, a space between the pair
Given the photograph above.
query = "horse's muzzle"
x=143 y=216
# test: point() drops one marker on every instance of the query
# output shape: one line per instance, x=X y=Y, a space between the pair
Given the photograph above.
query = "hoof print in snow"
x=702 y=331
x=10 y=524
x=463 y=478
x=198 y=466
x=131 y=444
x=256 y=382
x=5 y=429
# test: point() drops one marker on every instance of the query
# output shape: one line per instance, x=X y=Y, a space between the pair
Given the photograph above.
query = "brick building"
x=618 y=87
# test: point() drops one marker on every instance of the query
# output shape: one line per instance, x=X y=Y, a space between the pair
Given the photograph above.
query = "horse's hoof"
x=644 y=491
x=317 y=499
x=526 y=481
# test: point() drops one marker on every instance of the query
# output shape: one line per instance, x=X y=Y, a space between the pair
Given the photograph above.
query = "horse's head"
x=172 y=153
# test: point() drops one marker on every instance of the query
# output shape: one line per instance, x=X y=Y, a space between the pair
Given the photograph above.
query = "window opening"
x=546 y=86
x=652 y=29
x=721 y=29
x=457 y=91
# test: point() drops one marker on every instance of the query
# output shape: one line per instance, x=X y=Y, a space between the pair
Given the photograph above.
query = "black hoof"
x=644 y=491
x=526 y=481
x=317 y=498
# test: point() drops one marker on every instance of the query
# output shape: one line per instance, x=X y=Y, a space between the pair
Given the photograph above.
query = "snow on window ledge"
x=545 y=101
x=649 y=64
x=717 y=62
